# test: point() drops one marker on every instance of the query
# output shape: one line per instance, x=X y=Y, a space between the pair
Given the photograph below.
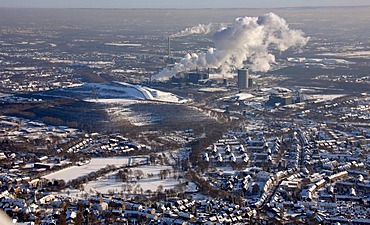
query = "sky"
x=176 y=3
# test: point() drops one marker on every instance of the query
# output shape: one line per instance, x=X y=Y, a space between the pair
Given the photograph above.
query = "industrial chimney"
x=169 y=47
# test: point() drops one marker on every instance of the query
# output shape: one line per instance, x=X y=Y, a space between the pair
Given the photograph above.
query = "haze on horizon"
x=177 y=4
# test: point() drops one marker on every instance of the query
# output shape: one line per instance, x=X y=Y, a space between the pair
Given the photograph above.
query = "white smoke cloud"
x=247 y=39
x=199 y=29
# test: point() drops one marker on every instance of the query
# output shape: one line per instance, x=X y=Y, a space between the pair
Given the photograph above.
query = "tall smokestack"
x=169 y=47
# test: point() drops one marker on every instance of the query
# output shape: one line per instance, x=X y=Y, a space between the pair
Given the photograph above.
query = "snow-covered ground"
x=4 y=95
x=276 y=90
x=120 y=95
x=126 y=71
x=122 y=102
x=118 y=91
x=21 y=68
x=156 y=95
x=123 y=44
x=239 y=96
x=134 y=118
x=213 y=89
x=94 y=165
x=323 y=98
x=348 y=54
x=108 y=183
x=317 y=60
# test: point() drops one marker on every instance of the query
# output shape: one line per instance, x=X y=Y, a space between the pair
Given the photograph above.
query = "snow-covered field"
x=108 y=183
x=316 y=60
x=94 y=165
x=118 y=91
x=123 y=44
x=156 y=95
x=349 y=54
x=323 y=98
x=239 y=96
x=119 y=95
x=213 y=89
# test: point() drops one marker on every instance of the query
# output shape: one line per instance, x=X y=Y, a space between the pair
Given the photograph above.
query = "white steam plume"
x=247 y=39
x=200 y=29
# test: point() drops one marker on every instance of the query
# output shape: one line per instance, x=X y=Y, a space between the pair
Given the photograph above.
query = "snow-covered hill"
x=120 y=91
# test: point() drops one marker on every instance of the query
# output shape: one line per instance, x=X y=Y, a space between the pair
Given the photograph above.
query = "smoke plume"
x=200 y=29
x=247 y=39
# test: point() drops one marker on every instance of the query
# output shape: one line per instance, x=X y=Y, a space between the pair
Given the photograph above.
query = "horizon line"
x=173 y=8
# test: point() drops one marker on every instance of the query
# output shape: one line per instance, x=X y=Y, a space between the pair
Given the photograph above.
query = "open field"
x=78 y=171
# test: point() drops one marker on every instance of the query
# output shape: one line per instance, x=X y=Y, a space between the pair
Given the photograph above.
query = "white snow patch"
x=123 y=44
x=317 y=60
x=323 y=98
x=135 y=119
x=125 y=71
x=109 y=183
x=106 y=93
x=4 y=95
x=239 y=96
x=156 y=95
x=213 y=89
x=21 y=68
x=123 y=102
x=217 y=76
x=95 y=164
x=350 y=54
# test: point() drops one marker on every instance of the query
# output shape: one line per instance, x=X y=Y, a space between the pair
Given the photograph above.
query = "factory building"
x=276 y=99
x=196 y=77
x=244 y=82
x=250 y=82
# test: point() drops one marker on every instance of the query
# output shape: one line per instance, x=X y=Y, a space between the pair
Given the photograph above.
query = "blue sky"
x=177 y=3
